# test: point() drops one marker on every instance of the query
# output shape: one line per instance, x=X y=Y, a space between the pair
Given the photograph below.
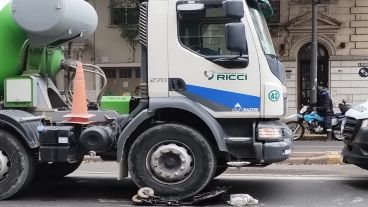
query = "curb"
x=88 y=158
x=313 y=137
x=328 y=158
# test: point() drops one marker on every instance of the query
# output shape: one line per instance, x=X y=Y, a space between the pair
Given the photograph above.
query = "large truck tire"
x=55 y=170
x=17 y=165
x=172 y=159
x=363 y=166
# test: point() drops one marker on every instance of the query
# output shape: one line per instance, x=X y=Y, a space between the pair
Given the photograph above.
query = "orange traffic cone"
x=79 y=114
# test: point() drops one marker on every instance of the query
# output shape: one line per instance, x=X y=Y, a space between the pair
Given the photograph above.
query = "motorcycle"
x=315 y=123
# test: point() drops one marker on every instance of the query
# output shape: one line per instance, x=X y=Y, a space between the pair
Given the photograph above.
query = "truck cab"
x=199 y=63
x=211 y=66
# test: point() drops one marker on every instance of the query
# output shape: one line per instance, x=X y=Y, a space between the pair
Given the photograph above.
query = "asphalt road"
x=94 y=184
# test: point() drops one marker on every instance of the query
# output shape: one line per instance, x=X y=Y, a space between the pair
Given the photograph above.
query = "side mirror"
x=191 y=11
x=344 y=101
x=235 y=37
x=234 y=8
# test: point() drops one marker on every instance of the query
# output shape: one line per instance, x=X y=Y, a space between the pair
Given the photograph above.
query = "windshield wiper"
x=236 y=58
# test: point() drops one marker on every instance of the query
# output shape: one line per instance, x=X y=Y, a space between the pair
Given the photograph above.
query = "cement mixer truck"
x=211 y=93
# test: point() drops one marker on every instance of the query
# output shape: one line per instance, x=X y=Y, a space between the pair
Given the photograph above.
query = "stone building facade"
x=343 y=47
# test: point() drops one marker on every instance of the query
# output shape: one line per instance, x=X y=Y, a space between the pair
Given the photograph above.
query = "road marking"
x=123 y=202
x=318 y=146
x=288 y=177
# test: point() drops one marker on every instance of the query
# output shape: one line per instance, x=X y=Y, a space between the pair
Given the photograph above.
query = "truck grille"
x=351 y=127
x=143 y=23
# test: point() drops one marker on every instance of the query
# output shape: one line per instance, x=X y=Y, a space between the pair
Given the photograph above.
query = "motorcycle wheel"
x=337 y=134
x=296 y=128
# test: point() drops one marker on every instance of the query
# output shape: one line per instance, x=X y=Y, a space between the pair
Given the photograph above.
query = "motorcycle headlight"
x=269 y=134
x=364 y=123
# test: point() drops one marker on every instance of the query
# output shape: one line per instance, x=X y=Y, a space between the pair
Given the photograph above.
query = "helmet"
x=323 y=91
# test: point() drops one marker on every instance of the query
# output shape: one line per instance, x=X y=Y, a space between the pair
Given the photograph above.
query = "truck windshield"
x=262 y=31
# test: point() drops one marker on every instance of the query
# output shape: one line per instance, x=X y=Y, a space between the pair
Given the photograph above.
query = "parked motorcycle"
x=315 y=123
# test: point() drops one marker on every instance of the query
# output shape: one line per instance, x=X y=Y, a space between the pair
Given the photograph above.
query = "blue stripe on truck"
x=225 y=98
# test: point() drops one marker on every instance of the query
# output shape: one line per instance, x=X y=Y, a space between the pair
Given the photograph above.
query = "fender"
x=294 y=117
x=24 y=123
x=191 y=106
x=129 y=129
x=123 y=137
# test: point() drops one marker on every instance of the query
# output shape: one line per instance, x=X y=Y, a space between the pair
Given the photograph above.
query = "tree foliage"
x=127 y=14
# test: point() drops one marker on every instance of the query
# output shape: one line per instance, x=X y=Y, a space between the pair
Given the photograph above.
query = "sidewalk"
x=314 y=158
x=308 y=136
x=314 y=150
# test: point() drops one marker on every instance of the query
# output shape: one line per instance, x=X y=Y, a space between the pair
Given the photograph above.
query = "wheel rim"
x=338 y=134
x=296 y=129
x=4 y=165
x=170 y=162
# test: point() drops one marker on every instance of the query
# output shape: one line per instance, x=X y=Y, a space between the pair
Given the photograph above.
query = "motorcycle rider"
x=324 y=108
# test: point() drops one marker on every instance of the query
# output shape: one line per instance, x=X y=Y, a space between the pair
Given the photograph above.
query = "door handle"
x=177 y=84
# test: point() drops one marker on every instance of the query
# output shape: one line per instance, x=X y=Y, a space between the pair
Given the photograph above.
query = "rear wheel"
x=16 y=165
x=296 y=128
x=172 y=159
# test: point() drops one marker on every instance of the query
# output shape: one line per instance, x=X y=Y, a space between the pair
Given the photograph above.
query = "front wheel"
x=337 y=134
x=172 y=159
x=296 y=128
x=16 y=165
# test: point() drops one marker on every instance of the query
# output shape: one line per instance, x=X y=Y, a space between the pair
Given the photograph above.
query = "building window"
x=125 y=14
x=275 y=19
x=137 y=73
x=110 y=72
x=125 y=73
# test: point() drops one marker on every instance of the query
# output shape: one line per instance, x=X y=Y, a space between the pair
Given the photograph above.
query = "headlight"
x=270 y=134
x=364 y=123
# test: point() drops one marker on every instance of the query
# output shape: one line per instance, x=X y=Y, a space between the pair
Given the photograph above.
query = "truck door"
x=201 y=67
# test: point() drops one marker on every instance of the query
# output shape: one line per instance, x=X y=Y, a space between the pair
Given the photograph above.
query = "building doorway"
x=304 y=64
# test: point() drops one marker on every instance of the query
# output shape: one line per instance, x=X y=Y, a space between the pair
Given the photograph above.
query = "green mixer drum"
x=12 y=39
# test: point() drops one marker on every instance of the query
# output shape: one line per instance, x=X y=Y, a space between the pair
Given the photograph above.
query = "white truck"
x=211 y=94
